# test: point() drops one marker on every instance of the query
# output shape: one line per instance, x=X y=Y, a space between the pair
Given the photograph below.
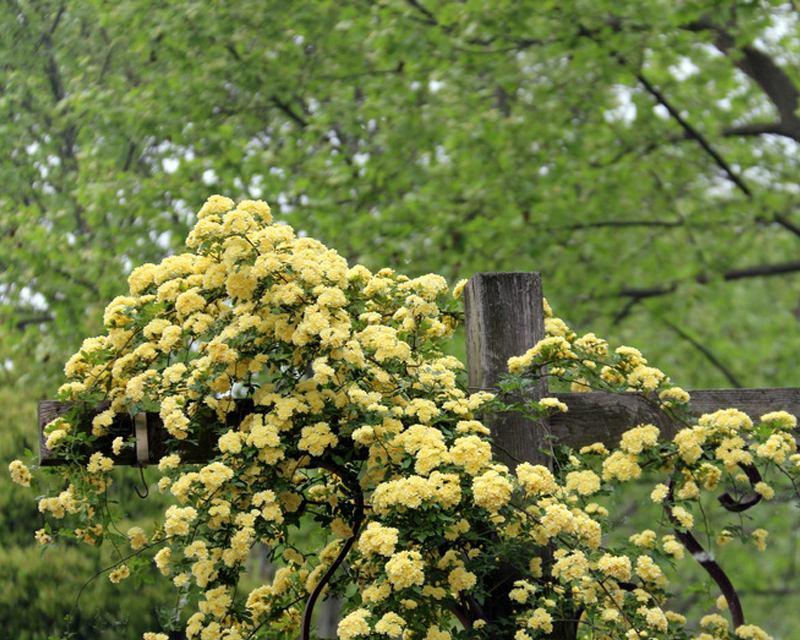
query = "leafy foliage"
x=332 y=404
x=453 y=137
x=637 y=154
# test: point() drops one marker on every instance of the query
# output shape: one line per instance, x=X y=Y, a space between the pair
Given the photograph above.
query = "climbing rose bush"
x=330 y=403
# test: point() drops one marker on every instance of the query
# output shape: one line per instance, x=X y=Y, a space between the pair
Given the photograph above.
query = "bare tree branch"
x=787 y=224
x=759 y=271
x=757 y=129
x=22 y=324
x=288 y=111
x=648 y=292
x=694 y=134
x=766 y=73
x=429 y=17
x=707 y=353
x=605 y=224
x=637 y=294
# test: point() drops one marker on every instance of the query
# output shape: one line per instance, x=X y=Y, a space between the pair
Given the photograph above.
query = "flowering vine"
x=329 y=399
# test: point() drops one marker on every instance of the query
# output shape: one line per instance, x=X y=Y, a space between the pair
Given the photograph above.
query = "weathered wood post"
x=504 y=317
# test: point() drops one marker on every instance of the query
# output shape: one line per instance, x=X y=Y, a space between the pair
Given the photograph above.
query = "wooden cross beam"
x=504 y=317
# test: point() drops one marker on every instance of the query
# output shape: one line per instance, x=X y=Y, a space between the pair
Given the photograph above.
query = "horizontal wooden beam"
x=592 y=417
x=604 y=417
x=159 y=442
x=503 y=316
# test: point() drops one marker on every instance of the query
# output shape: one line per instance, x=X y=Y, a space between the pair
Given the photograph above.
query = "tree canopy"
x=642 y=155
x=327 y=404
x=639 y=154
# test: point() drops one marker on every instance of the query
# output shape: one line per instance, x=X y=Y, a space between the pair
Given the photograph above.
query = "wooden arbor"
x=504 y=317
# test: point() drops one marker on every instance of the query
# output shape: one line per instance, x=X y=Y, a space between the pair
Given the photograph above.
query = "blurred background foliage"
x=641 y=155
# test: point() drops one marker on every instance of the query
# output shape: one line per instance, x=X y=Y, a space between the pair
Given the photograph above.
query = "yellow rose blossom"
x=405 y=569
x=584 y=483
x=137 y=538
x=379 y=539
x=760 y=538
x=459 y=287
x=19 y=473
x=294 y=388
x=491 y=490
x=685 y=518
x=354 y=625
x=391 y=625
x=766 y=491
x=541 y=620
x=554 y=404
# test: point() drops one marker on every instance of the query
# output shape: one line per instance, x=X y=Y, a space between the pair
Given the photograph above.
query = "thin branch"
x=291 y=113
x=637 y=295
x=756 y=129
x=760 y=271
x=627 y=309
x=358 y=518
x=312 y=600
x=429 y=17
x=57 y=20
x=21 y=324
x=764 y=71
x=640 y=151
x=91 y=286
x=756 y=271
x=772 y=79
x=694 y=134
x=707 y=353
x=603 y=224
x=232 y=50
x=106 y=63
x=705 y=560
x=787 y=224
x=129 y=156
x=641 y=293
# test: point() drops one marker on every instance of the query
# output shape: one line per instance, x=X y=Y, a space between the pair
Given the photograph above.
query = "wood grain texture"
x=122 y=425
x=592 y=417
x=160 y=443
x=604 y=417
x=504 y=317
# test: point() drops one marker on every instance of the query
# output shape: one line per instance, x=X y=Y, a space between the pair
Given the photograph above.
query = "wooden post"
x=504 y=317
x=328 y=618
x=593 y=417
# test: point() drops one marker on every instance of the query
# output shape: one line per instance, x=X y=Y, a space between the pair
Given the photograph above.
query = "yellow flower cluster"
x=328 y=394
x=377 y=538
x=405 y=569
x=492 y=490
x=354 y=625
x=20 y=473
x=552 y=348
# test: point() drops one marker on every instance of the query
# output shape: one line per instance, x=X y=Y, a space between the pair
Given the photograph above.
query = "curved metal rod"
x=358 y=519
x=737 y=506
x=705 y=559
x=145 y=491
